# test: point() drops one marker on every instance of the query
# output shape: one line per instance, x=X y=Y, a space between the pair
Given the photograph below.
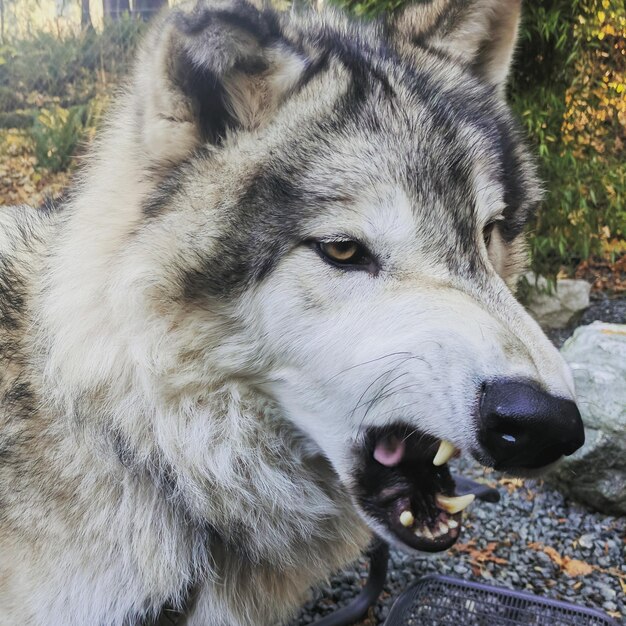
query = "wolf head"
x=330 y=216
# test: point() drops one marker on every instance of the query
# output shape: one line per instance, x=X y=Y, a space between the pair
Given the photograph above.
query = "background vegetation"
x=568 y=88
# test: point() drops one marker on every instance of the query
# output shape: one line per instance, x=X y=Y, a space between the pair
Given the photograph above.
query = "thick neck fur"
x=197 y=468
x=217 y=474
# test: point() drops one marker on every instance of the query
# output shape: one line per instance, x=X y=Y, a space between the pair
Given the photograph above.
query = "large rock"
x=596 y=474
x=557 y=309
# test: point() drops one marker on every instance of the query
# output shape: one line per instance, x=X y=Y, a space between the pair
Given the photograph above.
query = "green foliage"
x=56 y=134
x=71 y=67
x=584 y=206
x=17 y=119
x=568 y=90
x=547 y=45
x=56 y=87
x=585 y=209
x=10 y=99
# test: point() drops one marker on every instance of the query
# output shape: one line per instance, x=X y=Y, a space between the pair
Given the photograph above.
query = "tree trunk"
x=114 y=9
x=1 y=21
x=85 y=15
x=147 y=9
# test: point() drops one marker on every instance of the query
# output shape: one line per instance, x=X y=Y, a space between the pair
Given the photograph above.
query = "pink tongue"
x=389 y=452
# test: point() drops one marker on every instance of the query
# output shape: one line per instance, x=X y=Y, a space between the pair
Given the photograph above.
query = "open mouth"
x=405 y=485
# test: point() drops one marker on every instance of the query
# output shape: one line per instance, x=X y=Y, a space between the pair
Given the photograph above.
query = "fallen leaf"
x=574 y=567
x=554 y=555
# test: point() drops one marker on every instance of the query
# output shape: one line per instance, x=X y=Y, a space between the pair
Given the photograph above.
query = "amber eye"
x=487 y=232
x=340 y=251
x=346 y=254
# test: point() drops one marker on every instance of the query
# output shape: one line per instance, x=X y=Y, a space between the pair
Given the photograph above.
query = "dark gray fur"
x=274 y=201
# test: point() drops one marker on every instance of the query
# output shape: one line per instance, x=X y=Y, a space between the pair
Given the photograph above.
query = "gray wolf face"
x=331 y=216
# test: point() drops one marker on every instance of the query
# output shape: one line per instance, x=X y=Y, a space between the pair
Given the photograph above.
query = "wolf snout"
x=524 y=427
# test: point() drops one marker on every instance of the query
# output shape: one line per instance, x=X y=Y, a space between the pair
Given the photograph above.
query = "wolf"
x=278 y=298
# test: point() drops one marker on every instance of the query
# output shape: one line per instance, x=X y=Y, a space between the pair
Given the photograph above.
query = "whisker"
x=358 y=404
x=388 y=393
x=386 y=390
x=392 y=392
x=380 y=358
x=404 y=406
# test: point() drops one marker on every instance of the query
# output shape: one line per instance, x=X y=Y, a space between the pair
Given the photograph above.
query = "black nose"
x=524 y=427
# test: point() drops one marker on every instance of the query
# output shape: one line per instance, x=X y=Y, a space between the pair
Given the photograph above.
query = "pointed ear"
x=207 y=72
x=480 y=34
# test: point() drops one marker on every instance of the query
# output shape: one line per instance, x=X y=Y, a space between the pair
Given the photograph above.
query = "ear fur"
x=480 y=34
x=208 y=70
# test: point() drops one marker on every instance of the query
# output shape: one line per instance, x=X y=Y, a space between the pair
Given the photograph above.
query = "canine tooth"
x=452 y=523
x=454 y=504
x=406 y=518
x=445 y=453
x=443 y=529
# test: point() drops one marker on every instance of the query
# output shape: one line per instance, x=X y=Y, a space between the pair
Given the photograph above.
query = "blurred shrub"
x=57 y=88
x=10 y=99
x=568 y=87
x=56 y=133
x=72 y=67
x=17 y=119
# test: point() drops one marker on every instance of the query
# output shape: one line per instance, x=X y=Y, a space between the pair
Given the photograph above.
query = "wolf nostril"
x=522 y=426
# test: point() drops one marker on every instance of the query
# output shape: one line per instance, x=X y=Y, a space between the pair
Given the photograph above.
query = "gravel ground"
x=602 y=308
x=533 y=539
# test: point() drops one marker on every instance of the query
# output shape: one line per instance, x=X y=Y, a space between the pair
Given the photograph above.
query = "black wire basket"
x=444 y=601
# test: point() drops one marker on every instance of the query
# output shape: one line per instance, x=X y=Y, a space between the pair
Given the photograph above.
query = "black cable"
x=357 y=609
x=482 y=492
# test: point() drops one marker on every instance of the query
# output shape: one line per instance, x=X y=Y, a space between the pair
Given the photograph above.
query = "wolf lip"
x=404 y=484
x=432 y=535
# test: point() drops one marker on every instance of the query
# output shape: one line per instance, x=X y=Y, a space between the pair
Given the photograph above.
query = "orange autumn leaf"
x=478 y=556
x=554 y=555
x=574 y=567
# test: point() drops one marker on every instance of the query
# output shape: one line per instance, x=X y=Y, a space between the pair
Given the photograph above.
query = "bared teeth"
x=424 y=531
x=445 y=453
x=407 y=519
x=442 y=528
x=454 y=504
x=452 y=523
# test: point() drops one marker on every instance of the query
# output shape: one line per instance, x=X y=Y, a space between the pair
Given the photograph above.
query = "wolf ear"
x=208 y=71
x=480 y=34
